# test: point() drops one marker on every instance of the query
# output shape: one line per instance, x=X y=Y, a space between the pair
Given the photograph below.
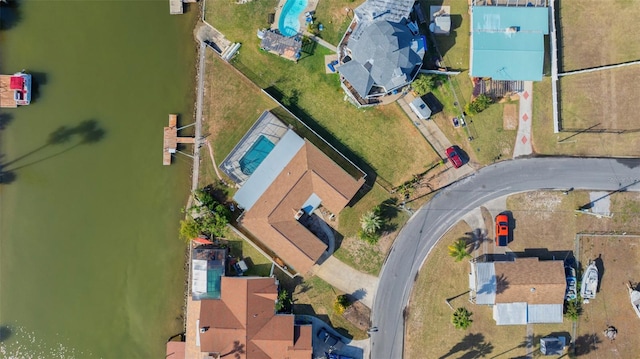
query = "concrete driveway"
x=359 y=285
x=357 y=349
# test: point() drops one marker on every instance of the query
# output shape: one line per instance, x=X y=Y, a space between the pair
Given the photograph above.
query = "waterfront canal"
x=90 y=262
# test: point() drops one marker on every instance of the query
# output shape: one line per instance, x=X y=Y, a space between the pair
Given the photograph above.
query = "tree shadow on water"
x=5 y=333
x=85 y=133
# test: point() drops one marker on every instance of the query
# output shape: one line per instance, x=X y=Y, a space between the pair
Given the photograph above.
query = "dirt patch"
x=358 y=314
x=620 y=259
x=510 y=117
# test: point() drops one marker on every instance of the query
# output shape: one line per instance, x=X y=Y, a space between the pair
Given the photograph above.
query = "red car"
x=502 y=230
x=454 y=157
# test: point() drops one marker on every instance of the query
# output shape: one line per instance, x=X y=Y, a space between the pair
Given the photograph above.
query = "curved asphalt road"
x=433 y=220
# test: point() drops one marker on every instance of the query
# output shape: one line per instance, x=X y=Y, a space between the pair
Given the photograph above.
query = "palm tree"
x=371 y=222
x=458 y=250
x=461 y=318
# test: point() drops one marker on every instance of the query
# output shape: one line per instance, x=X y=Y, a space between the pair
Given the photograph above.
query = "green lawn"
x=455 y=46
x=258 y=264
x=354 y=251
x=332 y=14
x=378 y=140
x=315 y=297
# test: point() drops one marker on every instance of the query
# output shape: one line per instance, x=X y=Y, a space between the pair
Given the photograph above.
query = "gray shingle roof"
x=383 y=53
x=391 y=10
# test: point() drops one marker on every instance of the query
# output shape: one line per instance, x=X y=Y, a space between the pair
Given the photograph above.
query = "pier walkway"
x=6 y=94
x=171 y=140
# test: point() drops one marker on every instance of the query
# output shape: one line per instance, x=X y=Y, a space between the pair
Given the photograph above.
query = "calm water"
x=90 y=263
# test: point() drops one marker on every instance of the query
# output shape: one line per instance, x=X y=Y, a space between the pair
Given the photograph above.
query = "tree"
x=461 y=318
x=283 y=304
x=573 y=309
x=371 y=221
x=341 y=303
x=189 y=229
x=424 y=83
x=458 y=250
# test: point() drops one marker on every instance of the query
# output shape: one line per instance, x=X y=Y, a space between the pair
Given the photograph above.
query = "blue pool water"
x=289 y=25
x=257 y=153
x=214 y=276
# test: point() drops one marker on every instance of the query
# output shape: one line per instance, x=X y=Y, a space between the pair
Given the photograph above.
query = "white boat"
x=634 y=295
x=20 y=84
x=589 y=282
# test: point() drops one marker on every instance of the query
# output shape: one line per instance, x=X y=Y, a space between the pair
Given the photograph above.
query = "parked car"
x=502 y=230
x=454 y=157
x=329 y=339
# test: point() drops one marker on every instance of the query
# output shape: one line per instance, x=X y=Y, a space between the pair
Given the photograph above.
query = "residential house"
x=243 y=323
x=285 y=179
x=507 y=42
x=522 y=291
x=379 y=54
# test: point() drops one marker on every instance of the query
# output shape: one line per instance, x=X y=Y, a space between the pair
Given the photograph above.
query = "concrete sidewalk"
x=360 y=285
x=523 y=138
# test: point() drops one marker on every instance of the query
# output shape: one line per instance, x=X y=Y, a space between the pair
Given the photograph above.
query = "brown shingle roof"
x=530 y=280
x=272 y=220
x=243 y=322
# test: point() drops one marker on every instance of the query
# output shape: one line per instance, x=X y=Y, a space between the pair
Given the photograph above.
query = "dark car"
x=502 y=230
x=329 y=339
x=454 y=157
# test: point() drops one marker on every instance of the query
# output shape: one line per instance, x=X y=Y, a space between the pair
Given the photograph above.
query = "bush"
x=371 y=238
x=573 y=309
x=425 y=83
x=478 y=105
x=341 y=303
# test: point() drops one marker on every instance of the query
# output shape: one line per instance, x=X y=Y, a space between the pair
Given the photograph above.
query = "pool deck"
x=311 y=6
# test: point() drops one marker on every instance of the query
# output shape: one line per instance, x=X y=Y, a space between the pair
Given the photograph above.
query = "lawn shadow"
x=389 y=211
x=473 y=344
x=586 y=344
x=307 y=309
x=258 y=270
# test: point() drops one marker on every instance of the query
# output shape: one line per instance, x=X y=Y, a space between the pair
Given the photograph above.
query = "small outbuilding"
x=552 y=345
x=288 y=47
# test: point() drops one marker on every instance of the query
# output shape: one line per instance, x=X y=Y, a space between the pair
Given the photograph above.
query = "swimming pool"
x=256 y=154
x=289 y=25
x=214 y=277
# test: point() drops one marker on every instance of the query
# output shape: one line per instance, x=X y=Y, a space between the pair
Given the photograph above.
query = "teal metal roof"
x=508 y=42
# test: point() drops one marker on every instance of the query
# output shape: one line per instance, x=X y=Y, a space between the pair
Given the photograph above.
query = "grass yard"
x=429 y=332
x=574 y=142
x=455 y=46
x=258 y=264
x=596 y=33
x=620 y=260
x=315 y=297
x=605 y=99
x=543 y=220
x=378 y=140
x=332 y=14
x=356 y=252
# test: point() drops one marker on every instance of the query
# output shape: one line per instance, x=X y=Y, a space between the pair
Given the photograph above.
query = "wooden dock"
x=171 y=139
x=6 y=94
x=175 y=7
